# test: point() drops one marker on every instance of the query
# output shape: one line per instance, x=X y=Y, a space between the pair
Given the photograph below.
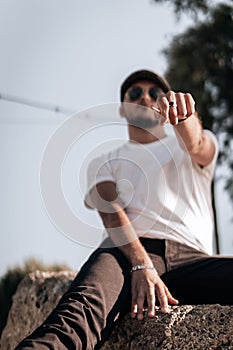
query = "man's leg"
x=207 y=281
x=86 y=314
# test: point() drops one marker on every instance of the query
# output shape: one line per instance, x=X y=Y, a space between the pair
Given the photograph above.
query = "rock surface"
x=36 y=296
x=204 y=327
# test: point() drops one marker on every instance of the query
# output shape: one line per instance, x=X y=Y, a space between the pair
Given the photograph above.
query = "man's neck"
x=139 y=135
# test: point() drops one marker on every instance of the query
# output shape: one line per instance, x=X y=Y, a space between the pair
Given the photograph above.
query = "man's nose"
x=145 y=96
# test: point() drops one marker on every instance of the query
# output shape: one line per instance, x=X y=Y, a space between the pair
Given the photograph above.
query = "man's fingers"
x=164 y=108
x=140 y=306
x=134 y=310
x=163 y=300
x=149 y=290
x=137 y=306
x=170 y=298
x=190 y=104
x=172 y=107
x=151 y=300
x=181 y=105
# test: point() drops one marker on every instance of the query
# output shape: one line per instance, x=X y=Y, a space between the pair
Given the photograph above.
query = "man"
x=153 y=195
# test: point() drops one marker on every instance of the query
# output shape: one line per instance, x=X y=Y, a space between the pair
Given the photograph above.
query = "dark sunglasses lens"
x=135 y=93
x=154 y=93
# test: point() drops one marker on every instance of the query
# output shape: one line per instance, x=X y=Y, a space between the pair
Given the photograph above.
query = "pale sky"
x=72 y=54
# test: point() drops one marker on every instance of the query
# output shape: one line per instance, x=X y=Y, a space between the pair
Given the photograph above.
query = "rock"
x=36 y=296
x=204 y=327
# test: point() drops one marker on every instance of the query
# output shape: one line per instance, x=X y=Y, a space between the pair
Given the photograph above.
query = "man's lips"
x=143 y=106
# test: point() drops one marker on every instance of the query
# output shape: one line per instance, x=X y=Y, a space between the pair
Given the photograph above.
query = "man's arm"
x=145 y=284
x=199 y=145
x=190 y=133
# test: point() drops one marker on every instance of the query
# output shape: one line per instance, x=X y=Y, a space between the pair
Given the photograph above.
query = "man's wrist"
x=141 y=267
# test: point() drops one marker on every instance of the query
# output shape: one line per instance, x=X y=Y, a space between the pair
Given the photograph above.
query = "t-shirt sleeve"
x=99 y=170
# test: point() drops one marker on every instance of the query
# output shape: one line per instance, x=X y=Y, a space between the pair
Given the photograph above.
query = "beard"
x=143 y=123
x=143 y=117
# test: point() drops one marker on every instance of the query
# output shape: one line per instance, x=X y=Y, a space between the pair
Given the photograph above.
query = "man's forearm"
x=189 y=133
x=136 y=253
x=193 y=140
x=123 y=235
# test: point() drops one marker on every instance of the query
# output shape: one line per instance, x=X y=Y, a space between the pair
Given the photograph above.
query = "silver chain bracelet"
x=141 y=267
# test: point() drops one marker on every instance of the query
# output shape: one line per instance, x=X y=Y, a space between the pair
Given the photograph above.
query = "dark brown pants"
x=100 y=294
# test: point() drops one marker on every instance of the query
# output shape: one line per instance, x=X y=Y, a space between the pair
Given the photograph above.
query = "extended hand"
x=148 y=286
x=175 y=106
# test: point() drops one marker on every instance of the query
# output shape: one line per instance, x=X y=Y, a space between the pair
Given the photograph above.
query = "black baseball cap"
x=144 y=75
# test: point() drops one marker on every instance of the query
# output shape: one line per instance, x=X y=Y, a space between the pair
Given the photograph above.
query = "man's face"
x=138 y=100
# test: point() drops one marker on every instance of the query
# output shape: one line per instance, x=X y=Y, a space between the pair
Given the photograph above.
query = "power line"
x=35 y=104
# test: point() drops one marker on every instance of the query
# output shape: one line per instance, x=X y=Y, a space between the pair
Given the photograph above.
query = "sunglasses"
x=137 y=92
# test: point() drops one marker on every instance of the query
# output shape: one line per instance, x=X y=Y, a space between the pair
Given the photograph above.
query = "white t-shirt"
x=165 y=193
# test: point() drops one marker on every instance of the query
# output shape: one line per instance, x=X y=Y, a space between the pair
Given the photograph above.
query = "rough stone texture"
x=36 y=296
x=204 y=327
